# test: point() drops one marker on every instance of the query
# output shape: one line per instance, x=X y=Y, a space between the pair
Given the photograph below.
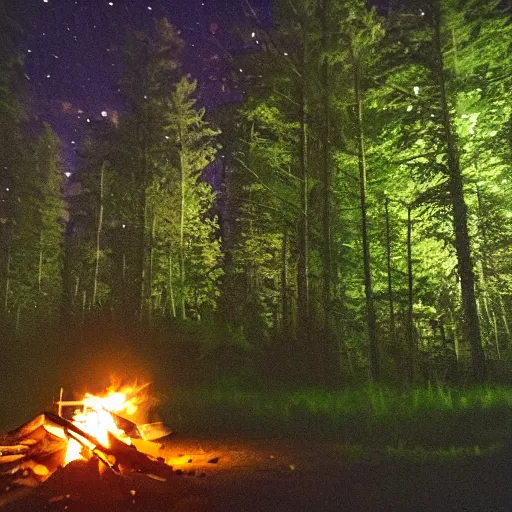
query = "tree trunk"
x=303 y=313
x=331 y=364
x=326 y=178
x=149 y=281
x=250 y=268
x=99 y=228
x=411 y=346
x=76 y=289
x=455 y=333
x=285 y=310
x=66 y=301
x=392 y=325
x=7 y=279
x=182 y=225
x=171 y=289
x=371 y=320
x=84 y=302
x=4 y=253
x=504 y=317
x=123 y=272
x=40 y=265
x=442 y=333
x=460 y=217
x=496 y=334
x=136 y=283
x=18 y=315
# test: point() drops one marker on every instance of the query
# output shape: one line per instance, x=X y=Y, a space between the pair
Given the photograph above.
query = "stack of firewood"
x=33 y=452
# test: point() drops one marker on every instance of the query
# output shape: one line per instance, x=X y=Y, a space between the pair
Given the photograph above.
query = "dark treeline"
x=362 y=225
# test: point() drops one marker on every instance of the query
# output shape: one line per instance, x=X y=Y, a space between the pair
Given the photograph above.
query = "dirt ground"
x=257 y=475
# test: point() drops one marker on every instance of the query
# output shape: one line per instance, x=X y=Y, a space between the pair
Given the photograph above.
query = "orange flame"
x=95 y=417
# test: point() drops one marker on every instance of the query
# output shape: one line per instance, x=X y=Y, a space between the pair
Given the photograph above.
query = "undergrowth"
x=441 y=421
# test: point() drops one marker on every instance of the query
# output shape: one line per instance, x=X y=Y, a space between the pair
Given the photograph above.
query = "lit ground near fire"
x=279 y=475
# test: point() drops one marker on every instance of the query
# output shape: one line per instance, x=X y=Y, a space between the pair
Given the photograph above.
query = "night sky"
x=72 y=53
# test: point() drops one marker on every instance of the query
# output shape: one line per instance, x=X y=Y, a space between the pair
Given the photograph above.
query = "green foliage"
x=476 y=115
x=35 y=264
x=189 y=245
x=408 y=161
x=145 y=225
x=11 y=140
x=340 y=105
x=421 y=422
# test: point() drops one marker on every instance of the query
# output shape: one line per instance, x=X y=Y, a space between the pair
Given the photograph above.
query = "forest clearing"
x=293 y=220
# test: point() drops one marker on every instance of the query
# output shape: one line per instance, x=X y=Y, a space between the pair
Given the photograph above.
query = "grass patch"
x=442 y=454
x=442 y=421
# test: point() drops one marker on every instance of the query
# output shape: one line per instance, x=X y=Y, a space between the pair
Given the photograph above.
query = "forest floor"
x=256 y=474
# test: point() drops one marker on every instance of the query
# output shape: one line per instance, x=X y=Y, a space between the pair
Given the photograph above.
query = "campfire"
x=106 y=415
x=101 y=427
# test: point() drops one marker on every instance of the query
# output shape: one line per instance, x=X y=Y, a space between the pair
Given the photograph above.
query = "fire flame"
x=95 y=417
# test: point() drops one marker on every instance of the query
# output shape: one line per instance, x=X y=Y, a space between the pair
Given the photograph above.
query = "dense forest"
x=349 y=220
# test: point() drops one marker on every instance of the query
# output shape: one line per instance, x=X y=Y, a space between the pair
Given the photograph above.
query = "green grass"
x=453 y=452
x=444 y=422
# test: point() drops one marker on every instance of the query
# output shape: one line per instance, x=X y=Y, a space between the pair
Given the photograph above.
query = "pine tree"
x=145 y=233
x=93 y=242
x=356 y=53
x=279 y=166
x=438 y=84
x=185 y=230
x=11 y=138
x=151 y=65
x=35 y=272
x=482 y=124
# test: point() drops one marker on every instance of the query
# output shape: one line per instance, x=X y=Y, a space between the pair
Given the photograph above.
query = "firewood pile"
x=30 y=454
x=112 y=474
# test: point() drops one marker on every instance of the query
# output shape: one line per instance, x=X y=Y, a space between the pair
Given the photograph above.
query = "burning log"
x=39 y=467
x=25 y=430
x=118 y=456
x=6 y=459
x=38 y=448
x=33 y=441
x=13 y=449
